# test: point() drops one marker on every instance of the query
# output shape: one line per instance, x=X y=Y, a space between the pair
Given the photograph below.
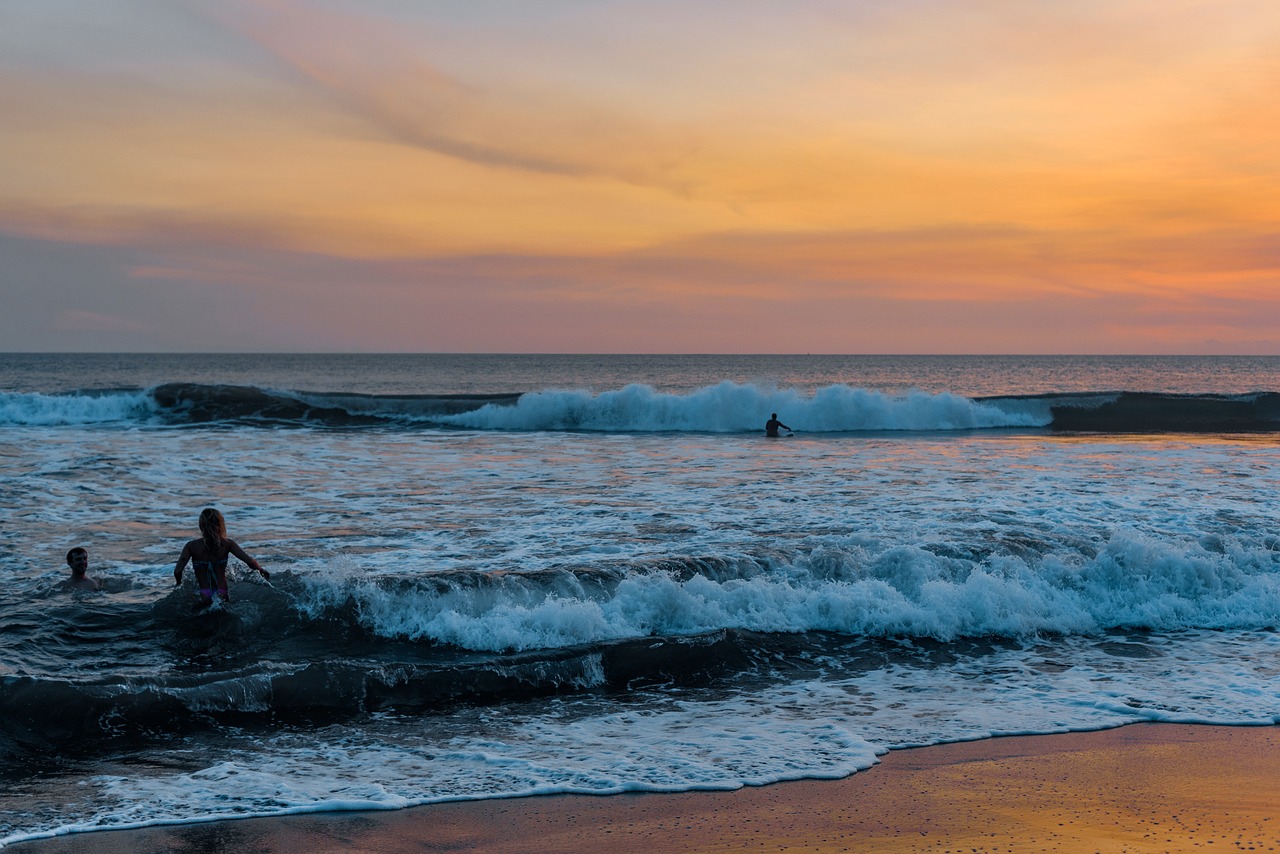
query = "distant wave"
x=193 y=403
x=734 y=408
x=723 y=408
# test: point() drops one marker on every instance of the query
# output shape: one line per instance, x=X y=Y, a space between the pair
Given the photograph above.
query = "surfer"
x=771 y=426
x=78 y=560
x=209 y=554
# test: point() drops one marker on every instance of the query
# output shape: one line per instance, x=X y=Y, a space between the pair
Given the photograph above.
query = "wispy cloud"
x=74 y=320
x=381 y=75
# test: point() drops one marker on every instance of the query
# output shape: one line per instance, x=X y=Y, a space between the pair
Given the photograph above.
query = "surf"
x=726 y=407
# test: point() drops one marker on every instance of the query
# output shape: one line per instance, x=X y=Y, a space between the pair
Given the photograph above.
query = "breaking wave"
x=723 y=408
x=491 y=637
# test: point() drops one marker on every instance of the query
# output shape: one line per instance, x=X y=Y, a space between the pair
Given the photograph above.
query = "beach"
x=1145 y=787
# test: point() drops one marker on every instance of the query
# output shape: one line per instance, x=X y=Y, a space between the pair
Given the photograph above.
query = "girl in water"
x=208 y=556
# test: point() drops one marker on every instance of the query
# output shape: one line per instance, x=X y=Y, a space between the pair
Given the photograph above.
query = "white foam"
x=846 y=586
x=35 y=409
x=734 y=408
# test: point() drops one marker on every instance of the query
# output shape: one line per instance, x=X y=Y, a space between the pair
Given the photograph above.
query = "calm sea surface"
x=512 y=575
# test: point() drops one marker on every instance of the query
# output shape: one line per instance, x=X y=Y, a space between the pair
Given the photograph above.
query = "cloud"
x=73 y=320
x=382 y=76
x=268 y=300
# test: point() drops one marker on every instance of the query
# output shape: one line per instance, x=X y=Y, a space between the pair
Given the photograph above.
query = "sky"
x=665 y=176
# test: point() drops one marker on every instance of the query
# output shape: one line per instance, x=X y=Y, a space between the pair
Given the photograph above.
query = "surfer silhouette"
x=78 y=560
x=771 y=426
x=208 y=556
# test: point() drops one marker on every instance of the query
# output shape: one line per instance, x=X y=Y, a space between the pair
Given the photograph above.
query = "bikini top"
x=209 y=564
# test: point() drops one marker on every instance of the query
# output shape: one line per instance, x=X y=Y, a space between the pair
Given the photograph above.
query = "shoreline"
x=1141 y=787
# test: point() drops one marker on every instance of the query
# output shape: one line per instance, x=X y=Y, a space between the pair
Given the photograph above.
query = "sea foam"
x=733 y=408
x=45 y=410
x=1132 y=580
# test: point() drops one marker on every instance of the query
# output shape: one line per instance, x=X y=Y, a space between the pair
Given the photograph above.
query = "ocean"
x=504 y=575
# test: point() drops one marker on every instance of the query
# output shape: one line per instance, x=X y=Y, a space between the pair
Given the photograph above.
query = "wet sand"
x=1146 y=787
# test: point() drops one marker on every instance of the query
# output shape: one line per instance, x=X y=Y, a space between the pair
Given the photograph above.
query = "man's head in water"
x=78 y=560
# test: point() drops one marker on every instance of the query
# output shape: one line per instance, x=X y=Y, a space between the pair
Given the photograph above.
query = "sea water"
x=495 y=576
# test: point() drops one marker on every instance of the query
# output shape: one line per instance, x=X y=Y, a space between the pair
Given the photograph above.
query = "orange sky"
x=592 y=176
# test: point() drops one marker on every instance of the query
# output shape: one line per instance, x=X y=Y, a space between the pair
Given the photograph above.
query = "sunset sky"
x=834 y=176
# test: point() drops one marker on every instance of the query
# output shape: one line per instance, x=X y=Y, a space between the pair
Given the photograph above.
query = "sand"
x=1146 y=787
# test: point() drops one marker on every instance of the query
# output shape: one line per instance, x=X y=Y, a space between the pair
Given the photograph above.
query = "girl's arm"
x=182 y=564
x=235 y=549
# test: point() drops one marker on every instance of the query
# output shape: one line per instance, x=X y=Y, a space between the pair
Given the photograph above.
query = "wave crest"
x=44 y=410
x=735 y=408
x=1132 y=580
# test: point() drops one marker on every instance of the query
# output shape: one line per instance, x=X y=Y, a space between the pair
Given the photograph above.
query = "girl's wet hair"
x=213 y=528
